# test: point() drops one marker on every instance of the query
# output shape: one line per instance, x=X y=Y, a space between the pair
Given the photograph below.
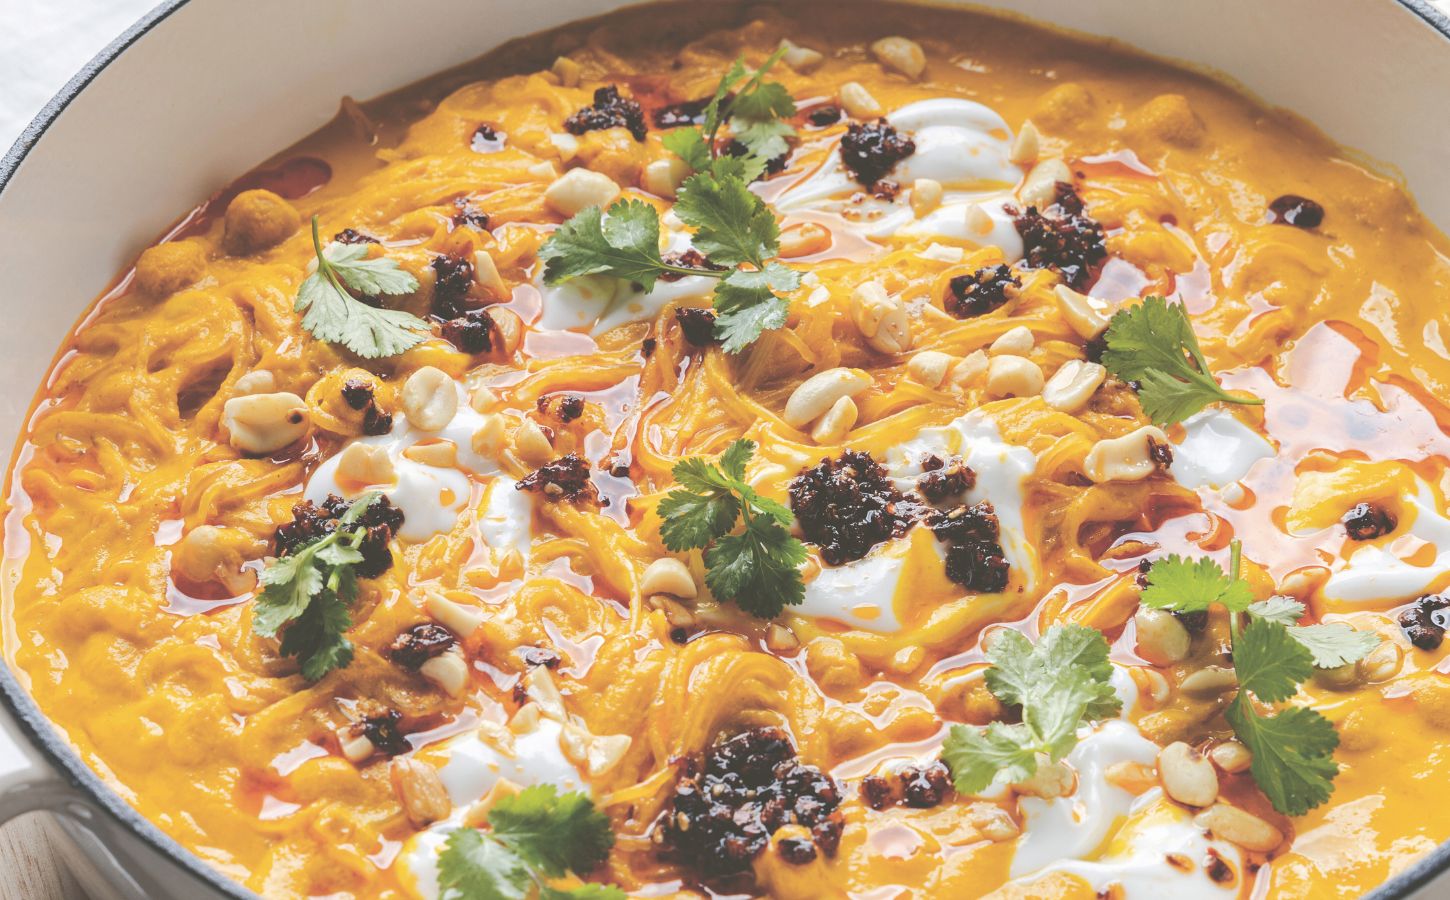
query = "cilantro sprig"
x=1293 y=748
x=734 y=230
x=1059 y=683
x=755 y=114
x=534 y=836
x=1153 y=344
x=306 y=595
x=758 y=567
x=333 y=315
x=1183 y=585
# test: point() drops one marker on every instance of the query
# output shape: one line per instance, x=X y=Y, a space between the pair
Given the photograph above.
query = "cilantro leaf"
x=1269 y=663
x=1182 y=585
x=1059 y=683
x=582 y=892
x=1293 y=751
x=747 y=168
x=1066 y=659
x=753 y=113
x=979 y=756
x=732 y=225
x=757 y=568
x=735 y=458
x=690 y=520
x=746 y=304
x=369 y=277
x=553 y=833
x=306 y=595
x=333 y=315
x=1334 y=644
x=1284 y=610
x=623 y=243
x=689 y=144
x=714 y=116
x=288 y=586
x=705 y=507
x=1153 y=344
x=317 y=637
x=766 y=101
x=534 y=835
x=763 y=140
x=473 y=866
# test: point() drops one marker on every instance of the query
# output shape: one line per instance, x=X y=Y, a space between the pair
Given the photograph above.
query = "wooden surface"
x=32 y=853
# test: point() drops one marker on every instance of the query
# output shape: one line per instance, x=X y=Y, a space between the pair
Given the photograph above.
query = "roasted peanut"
x=1240 y=827
x=1126 y=458
x=262 y=423
x=817 y=394
x=836 y=422
x=1017 y=341
x=668 y=575
x=1187 y=777
x=579 y=189
x=1073 y=385
x=802 y=59
x=858 y=102
x=430 y=399
x=1013 y=376
x=420 y=791
x=900 y=54
x=1025 y=145
x=1039 y=188
x=1162 y=639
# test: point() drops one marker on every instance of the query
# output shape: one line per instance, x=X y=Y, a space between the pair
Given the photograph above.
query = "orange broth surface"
x=136 y=639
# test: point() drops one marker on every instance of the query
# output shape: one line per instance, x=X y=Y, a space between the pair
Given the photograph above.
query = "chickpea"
x=1431 y=694
x=980 y=705
x=1357 y=733
x=613 y=152
x=167 y=268
x=833 y=667
x=1170 y=119
x=257 y=220
x=1065 y=105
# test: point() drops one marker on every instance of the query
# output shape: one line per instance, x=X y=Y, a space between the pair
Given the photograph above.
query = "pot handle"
x=28 y=782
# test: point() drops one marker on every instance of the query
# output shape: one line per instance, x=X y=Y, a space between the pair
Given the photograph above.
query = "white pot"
x=200 y=91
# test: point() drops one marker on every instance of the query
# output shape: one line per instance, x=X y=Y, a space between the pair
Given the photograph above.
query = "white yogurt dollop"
x=963 y=145
x=860 y=593
x=1142 y=870
x=863 y=593
x=1376 y=574
x=1002 y=470
x=433 y=497
x=599 y=303
x=474 y=766
x=1218 y=449
x=1072 y=827
x=1065 y=834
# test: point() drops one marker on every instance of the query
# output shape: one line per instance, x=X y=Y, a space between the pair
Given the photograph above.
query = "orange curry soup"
x=965 y=207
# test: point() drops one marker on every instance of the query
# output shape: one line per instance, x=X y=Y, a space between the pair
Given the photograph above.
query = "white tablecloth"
x=44 y=42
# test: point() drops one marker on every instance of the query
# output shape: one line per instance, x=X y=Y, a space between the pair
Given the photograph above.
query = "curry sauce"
x=513 y=625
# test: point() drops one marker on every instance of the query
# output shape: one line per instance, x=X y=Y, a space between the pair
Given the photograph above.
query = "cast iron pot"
x=200 y=91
